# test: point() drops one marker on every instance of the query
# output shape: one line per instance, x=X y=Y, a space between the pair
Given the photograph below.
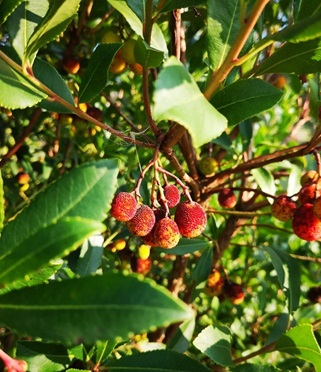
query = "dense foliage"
x=219 y=98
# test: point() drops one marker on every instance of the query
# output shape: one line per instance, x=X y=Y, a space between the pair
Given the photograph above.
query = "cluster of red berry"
x=155 y=225
x=305 y=211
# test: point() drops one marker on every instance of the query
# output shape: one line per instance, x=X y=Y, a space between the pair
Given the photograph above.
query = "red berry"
x=172 y=196
x=190 y=218
x=234 y=292
x=283 y=208
x=314 y=294
x=166 y=233
x=307 y=193
x=143 y=221
x=150 y=239
x=140 y=265
x=227 y=198
x=123 y=207
x=214 y=283
x=305 y=224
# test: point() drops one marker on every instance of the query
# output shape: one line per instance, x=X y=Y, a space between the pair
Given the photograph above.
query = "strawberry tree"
x=160 y=185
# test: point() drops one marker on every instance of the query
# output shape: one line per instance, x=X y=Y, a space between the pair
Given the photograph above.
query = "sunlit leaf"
x=176 y=96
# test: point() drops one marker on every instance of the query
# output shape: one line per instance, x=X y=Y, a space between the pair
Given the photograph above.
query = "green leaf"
x=203 y=266
x=247 y=367
x=60 y=14
x=301 y=342
x=223 y=25
x=265 y=180
x=288 y=273
x=84 y=192
x=43 y=356
x=1 y=202
x=95 y=77
x=177 y=4
x=245 y=99
x=91 y=254
x=306 y=8
x=186 y=246
x=15 y=90
x=52 y=241
x=157 y=40
x=215 y=342
x=176 y=96
x=7 y=8
x=50 y=77
x=300 y=58
x=307 y=29
x=182 y=337
x=157 y=361
x=91 y=308
x=23 y=22
x=147 y=56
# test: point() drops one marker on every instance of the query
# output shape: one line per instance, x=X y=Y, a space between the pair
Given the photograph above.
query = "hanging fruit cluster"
x=304 y=208
x=155 y=224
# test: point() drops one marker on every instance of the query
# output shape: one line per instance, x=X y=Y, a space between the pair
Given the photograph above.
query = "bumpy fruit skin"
x=227 y=198
x=307 y=193
x=140 y=265
x=150 y=238
x=214 y=284
x=143 y=221
x=283 y=208
x=234 y=292
x=305 y=224
x=314 y=295
x=191 y=219
x=310 y=176
x=207 y=166
x=166 y=233
x=172 y=196
x=123 y=206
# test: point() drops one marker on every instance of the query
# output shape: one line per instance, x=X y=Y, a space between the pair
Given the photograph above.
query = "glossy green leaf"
x=56 y=20
x=307 y=29
x=301 y=342
x=95 y=77
x=8 y=7
x=147 y=56
x=39 y=277
x=265 y=180
x=215 y=342
x=203 y=266
x=15 y=90
x=85 y=192
x=157 y=40
x=90 y=256
x=23 y=22
x=157 y=361
x=170 y=5
x=91 y=308
x=43 y=356
x=1 y=203
x=245 y=99
x=279 y=328
x=299 y=58
x=182 y=337
x=223 y=25
x=288 y=273
x=186 y=246
x=176 y=96
x=50 y=77
x=52 y=241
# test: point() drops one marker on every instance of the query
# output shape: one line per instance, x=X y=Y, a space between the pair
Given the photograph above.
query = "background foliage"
x=237 y=81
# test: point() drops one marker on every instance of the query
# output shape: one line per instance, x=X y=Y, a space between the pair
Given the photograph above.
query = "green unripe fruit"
x=207 y=166
x=110 y=37
x=127 y=51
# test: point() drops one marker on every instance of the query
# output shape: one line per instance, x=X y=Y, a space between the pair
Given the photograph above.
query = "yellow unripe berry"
x=110 y=37
x=144 y=251
x=127 y=51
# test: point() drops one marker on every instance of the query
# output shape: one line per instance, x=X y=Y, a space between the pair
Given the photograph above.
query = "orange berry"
x=283 y=208
x=166 y=233
x=123 y=206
